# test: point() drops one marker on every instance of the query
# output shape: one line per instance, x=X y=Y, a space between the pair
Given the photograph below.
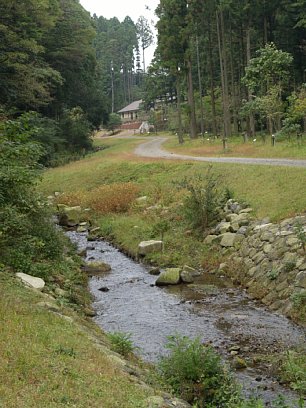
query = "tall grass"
x=113 y=198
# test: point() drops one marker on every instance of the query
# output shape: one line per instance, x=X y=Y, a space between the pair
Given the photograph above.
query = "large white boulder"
x=31 y=281
x=148 y=247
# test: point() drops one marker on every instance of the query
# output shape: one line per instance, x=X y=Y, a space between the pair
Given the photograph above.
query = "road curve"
x=153 y=149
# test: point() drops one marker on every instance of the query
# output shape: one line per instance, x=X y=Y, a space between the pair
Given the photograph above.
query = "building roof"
x=134 y=106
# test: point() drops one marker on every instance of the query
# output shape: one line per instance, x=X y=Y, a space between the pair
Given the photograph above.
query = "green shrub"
x=301 y=234
x=195 y=373
x=273 y=274
x=75 y=130
x=202 y=204
x=121 y=343
x=294 y=372
x=289 y=266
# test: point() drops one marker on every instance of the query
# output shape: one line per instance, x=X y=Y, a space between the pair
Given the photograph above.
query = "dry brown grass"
x=110 y=198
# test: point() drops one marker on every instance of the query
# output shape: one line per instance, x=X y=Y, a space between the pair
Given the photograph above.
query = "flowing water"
x=213 y=309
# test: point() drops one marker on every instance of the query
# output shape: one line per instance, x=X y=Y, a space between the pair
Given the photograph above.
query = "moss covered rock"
x=171 y=276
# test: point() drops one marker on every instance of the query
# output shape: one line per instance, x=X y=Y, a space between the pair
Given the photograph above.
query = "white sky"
x=123 y=8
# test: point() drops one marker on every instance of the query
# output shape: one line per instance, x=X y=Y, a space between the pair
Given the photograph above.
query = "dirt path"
x=152 y=148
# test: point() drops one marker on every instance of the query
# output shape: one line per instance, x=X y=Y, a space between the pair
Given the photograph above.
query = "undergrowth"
x=196 y=373
x=112 y=198
x=121 y=343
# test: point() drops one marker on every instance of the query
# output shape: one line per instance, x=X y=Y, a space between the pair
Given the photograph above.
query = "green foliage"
x=27 y=236
x=297 y=105
x=160 y=228
x=114 y=121
x=172 y=34
x=202 y=204
x=115 y=45
x=269 y=68
x=145 y=35
x=273 y=274
x=26 y=79
x=75 y=129
x=66 y=351
x=300 y=231
x=121 y=343
x=289 y=266
x=195 y=372
x=19 y=156
x=294 y=372
x=299 y=299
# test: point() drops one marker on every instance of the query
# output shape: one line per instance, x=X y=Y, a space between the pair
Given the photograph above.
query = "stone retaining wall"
x=268 y=259
x=275 y=264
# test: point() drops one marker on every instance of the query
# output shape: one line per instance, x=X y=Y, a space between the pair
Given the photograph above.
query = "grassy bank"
x=276 y=192
x=48 y=360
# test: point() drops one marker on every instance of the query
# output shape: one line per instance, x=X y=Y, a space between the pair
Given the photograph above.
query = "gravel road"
x=153 y=149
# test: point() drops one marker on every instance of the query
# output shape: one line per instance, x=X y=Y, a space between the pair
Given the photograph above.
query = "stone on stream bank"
x=31 y=281
x=170 y=276
x=69 y=216
x=96 y=268
x=174 y=276
x=148 y=247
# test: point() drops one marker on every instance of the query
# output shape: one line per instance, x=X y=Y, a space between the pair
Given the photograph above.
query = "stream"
x=213 y=309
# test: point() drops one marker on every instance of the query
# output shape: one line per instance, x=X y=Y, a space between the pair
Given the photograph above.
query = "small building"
x=130 y=112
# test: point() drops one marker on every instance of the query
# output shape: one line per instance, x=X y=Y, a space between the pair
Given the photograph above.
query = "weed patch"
x=112 y=198
x=196 y=373
x=121 y=343
x=203 y=201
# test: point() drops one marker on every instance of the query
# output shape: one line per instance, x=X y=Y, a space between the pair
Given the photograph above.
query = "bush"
x=195 y=373
x=202 y=204
x=75 y=130
x=121 y=343
x=114 y=122
x=294 y=372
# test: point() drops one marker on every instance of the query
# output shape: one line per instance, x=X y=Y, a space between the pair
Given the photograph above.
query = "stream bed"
x=213 y=309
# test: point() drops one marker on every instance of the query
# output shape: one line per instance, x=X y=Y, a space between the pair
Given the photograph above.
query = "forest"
x=233 y=66
x=222 y=67
x=66 y=70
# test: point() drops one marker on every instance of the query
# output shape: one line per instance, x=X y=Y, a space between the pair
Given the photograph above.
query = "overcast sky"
x=123 y=8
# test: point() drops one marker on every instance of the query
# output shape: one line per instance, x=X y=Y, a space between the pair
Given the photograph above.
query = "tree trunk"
x=179 y=112
x=270 y=125
x=193 y=122
x=265 y=25
x=113 y=90
x=143 y=60
x=212 y=84
x=224 y=73
x=125 y=88
x=200 y=87
x=129 y=86
x=248 y=55
x=233 y=88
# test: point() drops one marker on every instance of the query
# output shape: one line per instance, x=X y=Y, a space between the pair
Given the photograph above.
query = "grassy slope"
x=47 y=361
x=276 y=192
